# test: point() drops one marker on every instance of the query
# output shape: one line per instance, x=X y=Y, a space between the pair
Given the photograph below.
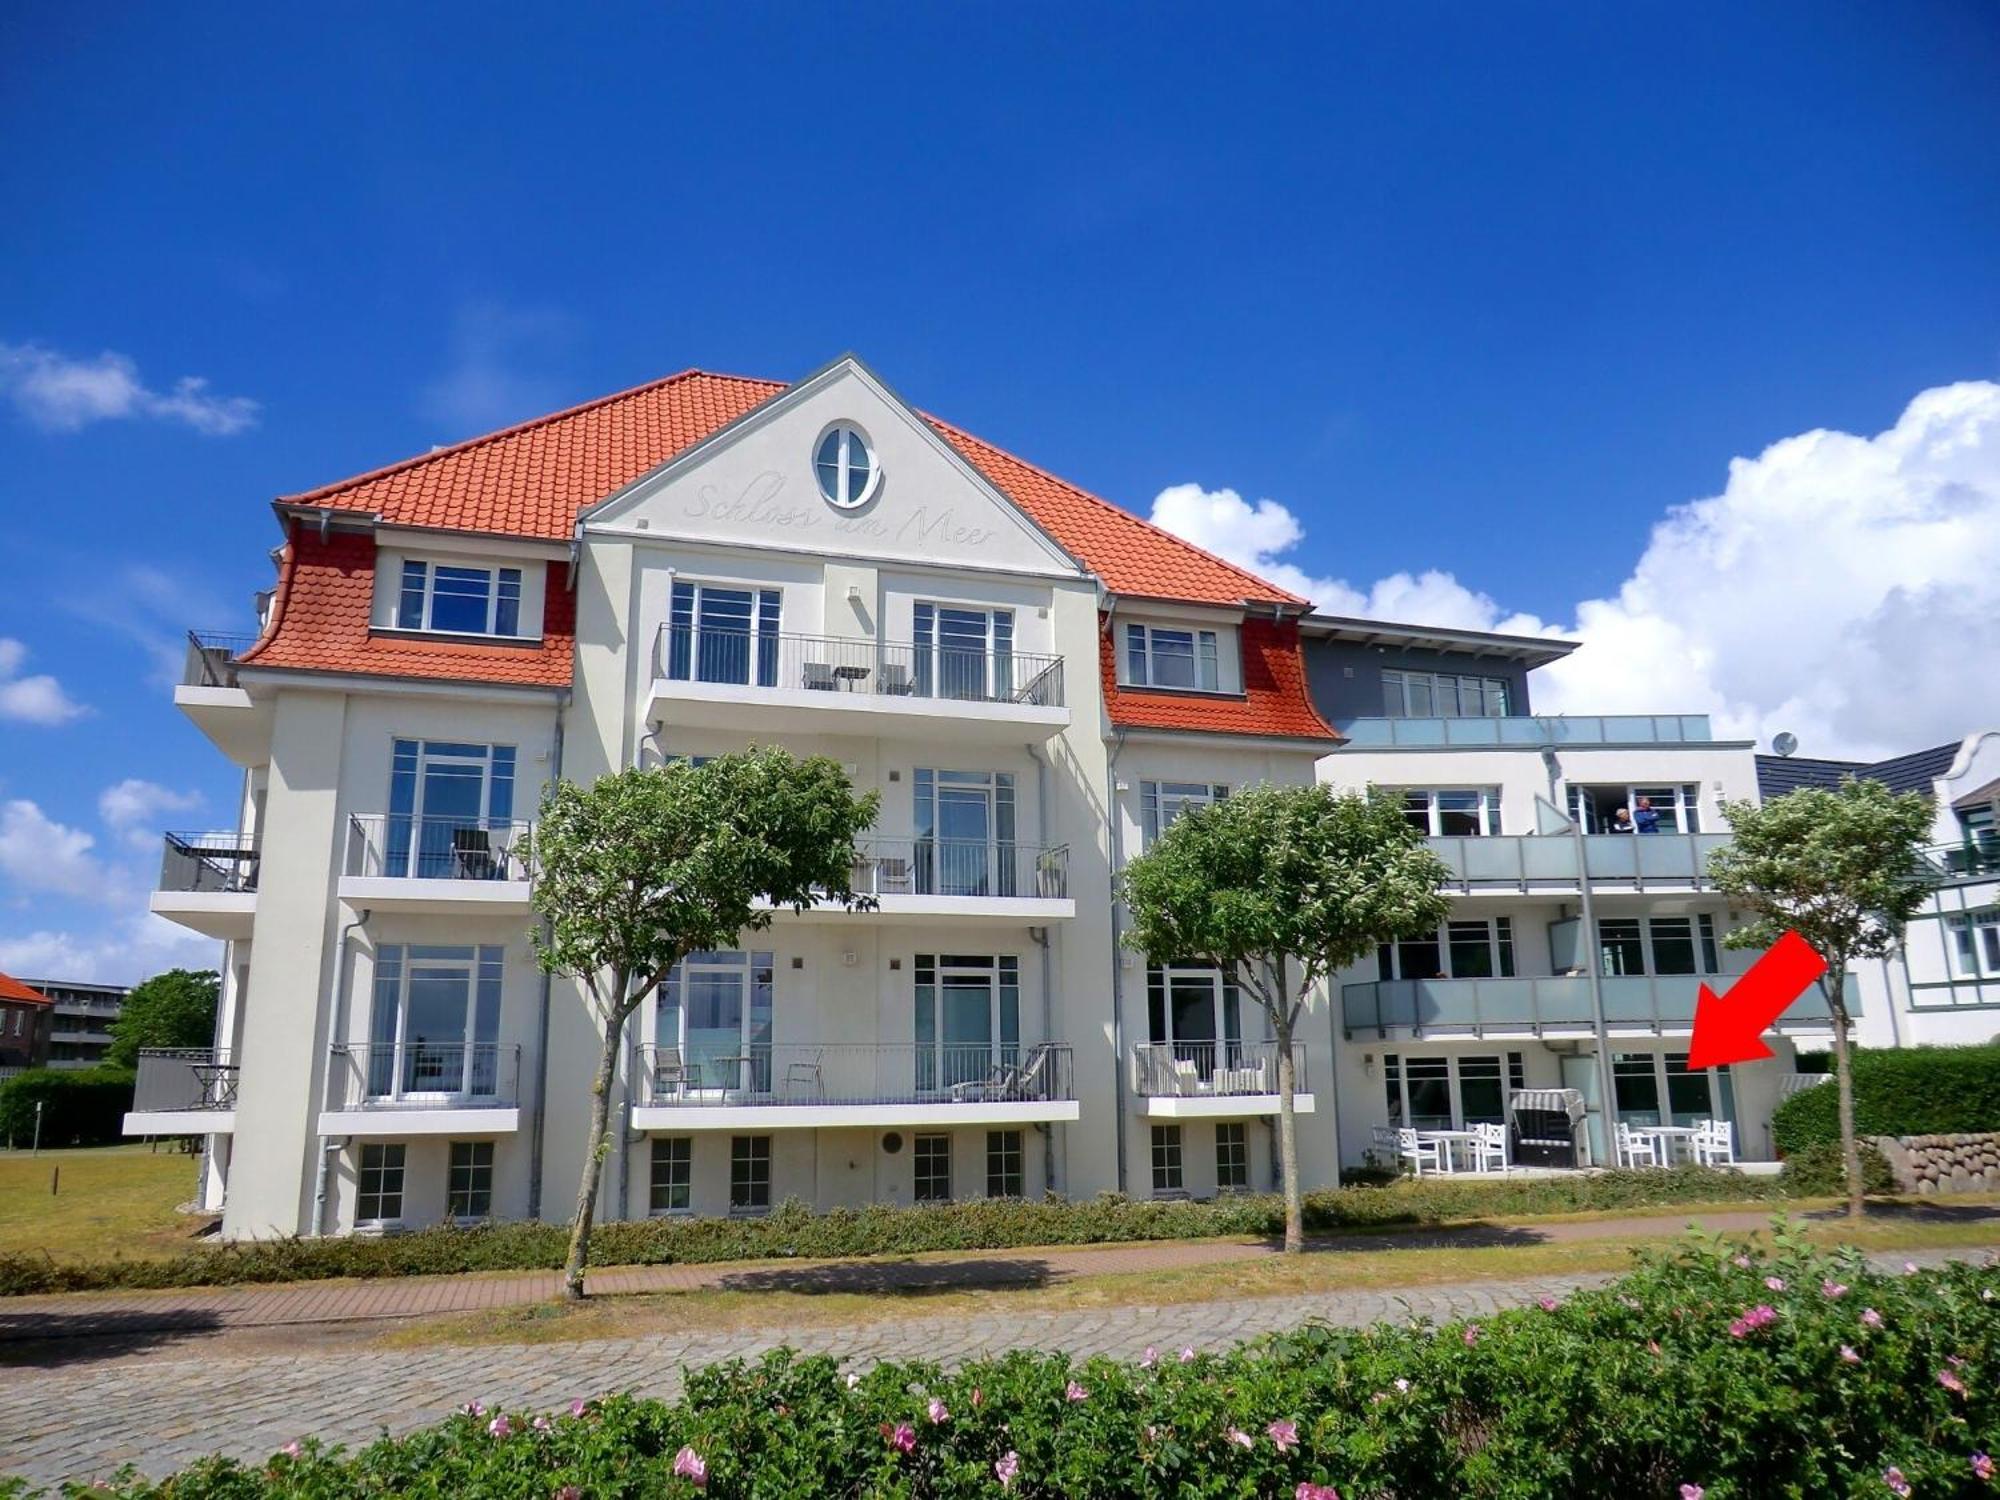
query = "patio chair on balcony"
x=804 y=1078
x=819 y=677
x=472 y=854
x=894 y=679
x=670 y=1074
x=1035 y=689
x=1002 y=1081
x=892 y=875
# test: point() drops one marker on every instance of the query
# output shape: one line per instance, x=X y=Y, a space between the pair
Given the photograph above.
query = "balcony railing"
x=405 y=846
x=209 y=862
x=851 y=1073
x=211 y=657
x=173 y=1080
x=1205 y=1070
x=1973 y=859
x=1526 y=731
x=1559 y=1002
x=1525 y=862
x=836 y=664
x=893 y=866
x=424 y=1075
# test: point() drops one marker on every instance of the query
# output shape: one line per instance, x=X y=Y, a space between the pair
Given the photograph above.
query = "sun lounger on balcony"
x=819 y=676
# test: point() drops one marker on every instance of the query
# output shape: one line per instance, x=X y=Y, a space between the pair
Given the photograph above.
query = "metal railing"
x=1526 y=862
x=1973 y=859
x=1526 y=731
x=407 y=846
x=424 y=1075
x=851 y=1073
x=206 y=862
x=837 y=664
x=1561 y=1001
x=211 y=657
x=172 y=1080
x=887 y=865
x=1209 y=1069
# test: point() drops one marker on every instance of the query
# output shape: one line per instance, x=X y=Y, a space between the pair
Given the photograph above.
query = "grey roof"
x=1778 y=774
x=1530 y=650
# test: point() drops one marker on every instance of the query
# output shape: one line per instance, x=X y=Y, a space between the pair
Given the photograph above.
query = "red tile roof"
x=1274 y=702
x=12 y=989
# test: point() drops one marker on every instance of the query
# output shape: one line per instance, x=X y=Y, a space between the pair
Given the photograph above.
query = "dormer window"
x=460 y=600
x=1169 y=657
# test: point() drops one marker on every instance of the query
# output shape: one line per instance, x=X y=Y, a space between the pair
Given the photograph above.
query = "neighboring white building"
x=1943 y=988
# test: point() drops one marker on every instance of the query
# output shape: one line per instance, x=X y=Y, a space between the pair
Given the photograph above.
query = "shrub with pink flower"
x=1150 y=1358
x=1982 y=1467
x=1187 y=1354
x=1898 y=1485
x=1471 y=1334
x=500 y=1427
x=1832 y=1290
x=1240 y=1438
x=937 y=1411
x=1692 y=1492
x=1284 y=1434
x=1006 y=1468
x=578 y=1407
x=692 y=1467
x=1760 y=1316
x=1307 y=1490
x=1870 y=1318
x=1848 y=1356
x=1075 y=1392
x=1775 y=1283
x=1547 y=1303
x=902 y=1437
x=1950 y=1381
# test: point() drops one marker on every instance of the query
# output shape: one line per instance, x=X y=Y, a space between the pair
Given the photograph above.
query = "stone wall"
x=1931 y=1164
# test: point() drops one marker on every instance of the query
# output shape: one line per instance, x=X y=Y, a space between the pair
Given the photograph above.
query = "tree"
x=1282 y=879
x=1843 y=868
x=644 y=867
x=174 y=1009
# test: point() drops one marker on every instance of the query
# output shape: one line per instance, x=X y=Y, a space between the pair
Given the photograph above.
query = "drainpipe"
x=538 y=1123
x=1117 y=951
x=1040 y=937
x=1593 y=969
x=338 y=1010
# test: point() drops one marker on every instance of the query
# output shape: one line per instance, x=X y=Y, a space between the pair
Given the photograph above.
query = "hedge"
x=1707 y=1373
x=1899 y=1091
x=82 y=1107
x=795 y=1231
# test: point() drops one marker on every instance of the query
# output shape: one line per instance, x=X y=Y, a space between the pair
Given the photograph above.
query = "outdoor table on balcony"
x=851 y=676
x=1453 y=1142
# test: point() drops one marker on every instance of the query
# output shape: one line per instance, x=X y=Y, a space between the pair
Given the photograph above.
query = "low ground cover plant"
x=1711 y=1373
x=793 y=1231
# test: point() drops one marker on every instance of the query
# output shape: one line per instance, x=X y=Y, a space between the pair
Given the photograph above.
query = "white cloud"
x=1843 y=587
x=61 y=394
x=490 y=380
x=122 y=953
x=31 y=700
x=132 y=808
x=38 y=854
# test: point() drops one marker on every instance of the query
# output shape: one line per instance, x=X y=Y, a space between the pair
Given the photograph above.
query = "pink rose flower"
x=1742 y=1262
x=1692 y=1492
x=500 y=1427
x=291 y=1449
x=1848 y=1356
x=1870 y=1318
x=1982 y=1467
x=978 y=1397
x=1547 y=1303
x=1950 y=1381
x=1471 y=1334
x=1833 y=1291
x=1402 y=1385
x=1240 y=1438
x=1775 y=1283
x=473 y=1409
x=578 y=1407
x=937 y=1412
x=903 y=1438
x=1284 y=1434
x=1307 y=1490
x=692 y=1467
x=1187 y=1355
x=1898 y=1485
x=1150 y=1358
x=542 y=1424
x=1008 y=1466
x=1075 y=1392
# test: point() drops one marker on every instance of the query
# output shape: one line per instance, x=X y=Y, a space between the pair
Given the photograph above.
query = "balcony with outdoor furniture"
x=810 y=1085
x=1555 y=863
x=1214 y=1080
x=208 y=883
x=210 y=695
x=424 y=863
x=399 y=1089
x=1548 y=1006
x=183 y=1091
x=956 y=881
x=763 y=682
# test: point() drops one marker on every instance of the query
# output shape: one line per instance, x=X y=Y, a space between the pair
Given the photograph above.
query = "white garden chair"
x=1490 y=1151
x=1637 y=1148
x=1715 y=1144
x=1415 y=1150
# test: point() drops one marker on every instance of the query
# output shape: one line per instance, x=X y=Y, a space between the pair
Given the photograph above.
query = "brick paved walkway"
x=80 y=1420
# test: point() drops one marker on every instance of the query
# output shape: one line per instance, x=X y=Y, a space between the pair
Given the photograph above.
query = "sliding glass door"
x=723 y=635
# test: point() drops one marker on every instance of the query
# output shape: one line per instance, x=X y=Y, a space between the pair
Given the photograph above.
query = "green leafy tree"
x=644 y=867
x=174 y=1009
x=1279 y=888
x=1843 y=868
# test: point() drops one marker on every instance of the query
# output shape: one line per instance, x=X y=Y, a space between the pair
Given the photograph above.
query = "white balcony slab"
x=996 y=911
x=181 y=1122
x=217 y=914
x=235 y=724
x=1218 y=1106
x=387 y=1120
x=681 y=1118
x=772 y=710
x=498 y=898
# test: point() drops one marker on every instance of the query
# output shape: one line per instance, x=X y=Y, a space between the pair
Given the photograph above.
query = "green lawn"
x=110 y=1201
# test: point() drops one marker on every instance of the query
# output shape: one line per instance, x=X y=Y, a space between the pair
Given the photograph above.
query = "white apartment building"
x=1034 y=680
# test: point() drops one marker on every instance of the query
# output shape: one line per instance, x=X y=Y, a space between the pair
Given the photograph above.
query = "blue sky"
x=1478 y=290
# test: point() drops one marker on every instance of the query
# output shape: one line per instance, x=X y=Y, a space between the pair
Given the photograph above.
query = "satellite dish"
x=1785 y=742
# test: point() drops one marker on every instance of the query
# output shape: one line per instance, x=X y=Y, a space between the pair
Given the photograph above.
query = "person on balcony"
x=1646 y=820
x=1621 y=821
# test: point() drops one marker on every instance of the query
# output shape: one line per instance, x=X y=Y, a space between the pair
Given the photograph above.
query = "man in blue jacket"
x=1644 y=818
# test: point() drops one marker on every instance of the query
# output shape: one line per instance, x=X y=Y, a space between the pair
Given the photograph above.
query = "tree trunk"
x=1288 y=1140
x=1850 y=1148
x=593 y=1159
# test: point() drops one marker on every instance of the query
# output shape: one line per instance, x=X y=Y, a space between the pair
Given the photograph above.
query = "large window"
x=1464 y=948
x=1675 y=808
x=1657 y=1088
x=672 y=1186
x=1657 y=945
x=1453 y=812
x=930 y=1162
x=460 y=600
x=968 y=1017
x=715 y=1008
x=723 y=634
x=1232 y=1156
x=1168 y=1176
x=1975 y=940
x=451 y=810
x=1197 y=1014
x=1157 y=656
x=749 y=1172
x=963 y=653
x=1440 y=695
x=469 y=1192
x=1160 y=802
x=435 y=1030
x=965 y=833
x=1005 y=1177
x=1451 y=1092
x=379 y=1195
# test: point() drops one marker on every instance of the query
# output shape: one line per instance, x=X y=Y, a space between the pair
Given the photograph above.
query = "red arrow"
x=1730 y=1030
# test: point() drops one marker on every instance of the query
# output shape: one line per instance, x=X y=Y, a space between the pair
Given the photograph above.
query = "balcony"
x=1956 y=864
x=810 y=1085
x=774 y=683
x=210 y=696
x=1529 y=864
x=956 y=881
x=208 y=883
x=1214 y=1080
x=1525 y=732
x=398 y=862
x=183 y=1091
x=1548 y=1006
x=423 y=1088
